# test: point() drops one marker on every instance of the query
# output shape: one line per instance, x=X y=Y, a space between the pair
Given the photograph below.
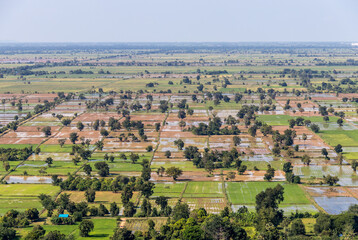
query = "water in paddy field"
x=300 y=208
x=350 y=149
x=344 y=173
x=28 y=179
x=323 y=95
x=235 y=207
x=255 y=158
x=335 y=205
x=32 y=165
x=337 y=105
x=287 y=209
x=335 y=126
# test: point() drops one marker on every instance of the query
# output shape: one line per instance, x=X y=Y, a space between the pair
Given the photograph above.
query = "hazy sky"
x=178 y=20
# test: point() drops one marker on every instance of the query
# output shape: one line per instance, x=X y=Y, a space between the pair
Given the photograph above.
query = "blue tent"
x=63 y=215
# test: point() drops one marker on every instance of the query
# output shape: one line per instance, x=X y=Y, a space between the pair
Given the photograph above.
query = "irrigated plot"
x=335 y=205
x=203 y=189
x=211 y=205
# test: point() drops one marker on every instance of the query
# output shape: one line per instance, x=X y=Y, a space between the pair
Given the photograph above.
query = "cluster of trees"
x=14 y=218
x=79 y=152
x=283 y=141
x=80 y=71
x=214 y=128
x=197 y=224
x=73 y=183
x=290 y=176
x=77 y=210
x=97 y=103
x=210 y=160
x=14 y=154
x=300 y=121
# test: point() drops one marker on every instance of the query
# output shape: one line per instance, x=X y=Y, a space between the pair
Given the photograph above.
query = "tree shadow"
x=99 y=235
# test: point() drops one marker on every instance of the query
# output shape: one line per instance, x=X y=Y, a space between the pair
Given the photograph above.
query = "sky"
x=178 y=20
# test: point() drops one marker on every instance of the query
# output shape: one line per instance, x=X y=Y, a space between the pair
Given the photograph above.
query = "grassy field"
x=137 y=224
x=51 y=148
x=345 y=138
x=23 y=196
x=19 y=203
x=122 y=166
x=103 y=229
x=204 y=189
x=187 y=165
x=245 y=192
x=168 y=189
x=27 y=190
x=279 y=120
x=17 y=146
x=57 y=168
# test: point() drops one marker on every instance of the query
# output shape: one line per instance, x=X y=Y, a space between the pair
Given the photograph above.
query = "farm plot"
x=167 y=144
x=211 y=205
x=244 y=193
x=22 y=136
x=21 y=204
x=89 y=118
x=221 y=143
x=253 y=146
x=148 y=119
x=333 y=200
x=169 y=189
x=65 y=132
x=113 y=145
x=140 y=224
x=56 y=149
x=312 y=146
x=345 y=138
x=120 y=164
x=280 y=120
x=183 y=164
x=40 y=168
x=23 y=196
x=103 y=229
x=56 y=156
x=203 y=189
x=335 y=205
x=102 y=197
x=344 y=173
x=223 y=114
x=13 y=164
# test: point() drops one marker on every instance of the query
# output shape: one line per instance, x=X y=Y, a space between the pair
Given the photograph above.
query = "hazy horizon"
x=174 y=21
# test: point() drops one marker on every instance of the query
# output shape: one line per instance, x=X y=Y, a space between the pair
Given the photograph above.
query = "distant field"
x=278 y=120
x=17 y=146
x=345 y=138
